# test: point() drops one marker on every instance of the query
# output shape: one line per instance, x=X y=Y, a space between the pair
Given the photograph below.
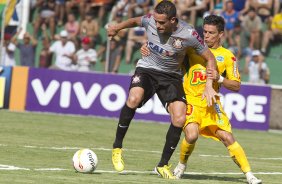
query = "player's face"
x=164 y=25
x=212 y=36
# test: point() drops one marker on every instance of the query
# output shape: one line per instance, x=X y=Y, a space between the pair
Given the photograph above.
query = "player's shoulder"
x=185 y=30
x=228 y=54
x=226 y=51
x=148 y=16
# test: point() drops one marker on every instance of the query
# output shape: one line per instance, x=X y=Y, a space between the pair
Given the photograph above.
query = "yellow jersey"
x=277 y=22
x=195 y=77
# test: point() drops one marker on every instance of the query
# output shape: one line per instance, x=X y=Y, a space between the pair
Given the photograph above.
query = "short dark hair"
x=167 y=8
x=252 y=9
x=215 y=20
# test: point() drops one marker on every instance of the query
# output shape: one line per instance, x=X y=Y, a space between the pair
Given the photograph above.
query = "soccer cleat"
x=252 y=179
x=179 y=170
x=117 y=159
x=165 y=172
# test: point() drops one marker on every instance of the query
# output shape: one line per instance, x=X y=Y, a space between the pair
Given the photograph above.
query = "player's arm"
x=232 y=80
x=209 y=92
x=211 y=63
x=132 y=22
x=231 y=84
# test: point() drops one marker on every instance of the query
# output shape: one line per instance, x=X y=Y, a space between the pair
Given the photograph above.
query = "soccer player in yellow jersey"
x=211 y=121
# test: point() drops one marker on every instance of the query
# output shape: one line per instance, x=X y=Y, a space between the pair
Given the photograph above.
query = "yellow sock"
x=238 y=155
x=186 y=150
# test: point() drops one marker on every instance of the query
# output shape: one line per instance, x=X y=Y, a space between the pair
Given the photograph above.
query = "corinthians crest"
x=177 y=43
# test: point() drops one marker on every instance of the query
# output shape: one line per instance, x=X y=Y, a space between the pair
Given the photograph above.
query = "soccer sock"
x=125 y=118
x=186 y=150
x=172 y=138
x=238 y=155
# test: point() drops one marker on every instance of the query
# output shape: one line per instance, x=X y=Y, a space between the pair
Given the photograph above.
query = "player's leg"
x=237 y=154
x=126 y=115
x=171 y=93
x=177 y=111
x=138 y=94
x=186 y=148
x=189 y=141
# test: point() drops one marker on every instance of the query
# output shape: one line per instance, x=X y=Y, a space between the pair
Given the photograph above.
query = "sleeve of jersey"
x=232 y=71
x=145 y=20
x=195 y=41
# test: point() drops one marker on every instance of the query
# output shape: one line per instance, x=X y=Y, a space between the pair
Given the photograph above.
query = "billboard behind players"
x=5 y=85
x=105 y=94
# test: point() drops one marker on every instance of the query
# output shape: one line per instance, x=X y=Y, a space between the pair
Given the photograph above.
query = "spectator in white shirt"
x=63 y=50
x=8 y=52
x=86 y=56
x=257 y=69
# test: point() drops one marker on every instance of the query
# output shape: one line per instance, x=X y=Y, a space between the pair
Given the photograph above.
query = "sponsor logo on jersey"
x=136 y=79
x=235 y=67
x=195 y=34
x=220 y=58
x=160 y=50
x=154 y=34
x=177 y=43
x=219 y=113
x=217 y=109
x=198 y=77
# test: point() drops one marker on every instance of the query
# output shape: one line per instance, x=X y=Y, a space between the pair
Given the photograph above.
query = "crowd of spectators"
x=69 y=30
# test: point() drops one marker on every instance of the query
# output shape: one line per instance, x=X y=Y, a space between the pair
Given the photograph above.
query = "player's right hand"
x=209 y=93
x=144 y=50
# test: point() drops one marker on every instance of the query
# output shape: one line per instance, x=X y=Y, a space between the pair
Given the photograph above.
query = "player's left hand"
x=210 y=95
x=144 y=50
x=212 y=74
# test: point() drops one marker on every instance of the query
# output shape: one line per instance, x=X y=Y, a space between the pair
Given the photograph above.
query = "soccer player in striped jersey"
x=160 y=73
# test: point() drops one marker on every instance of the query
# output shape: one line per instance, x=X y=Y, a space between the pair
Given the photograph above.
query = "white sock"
x=249 y=174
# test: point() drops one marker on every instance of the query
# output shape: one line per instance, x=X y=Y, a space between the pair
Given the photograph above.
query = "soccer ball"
x=85 y=161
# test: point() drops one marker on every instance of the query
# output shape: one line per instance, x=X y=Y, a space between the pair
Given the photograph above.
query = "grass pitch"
x=38 y=148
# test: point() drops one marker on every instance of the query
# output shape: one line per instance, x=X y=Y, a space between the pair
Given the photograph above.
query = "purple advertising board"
x=249 y=108
x=105 y=94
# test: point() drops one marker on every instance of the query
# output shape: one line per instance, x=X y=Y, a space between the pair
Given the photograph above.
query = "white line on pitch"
x=51 y=169
x=133 y=150
x=278 y=158
x=12 y=168
x=15 y=168
x=76 y=148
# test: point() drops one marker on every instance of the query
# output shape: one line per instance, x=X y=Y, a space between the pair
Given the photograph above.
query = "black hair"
x=215 y=20
x=252 y=9
x=229 y=1
x=167 y=8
